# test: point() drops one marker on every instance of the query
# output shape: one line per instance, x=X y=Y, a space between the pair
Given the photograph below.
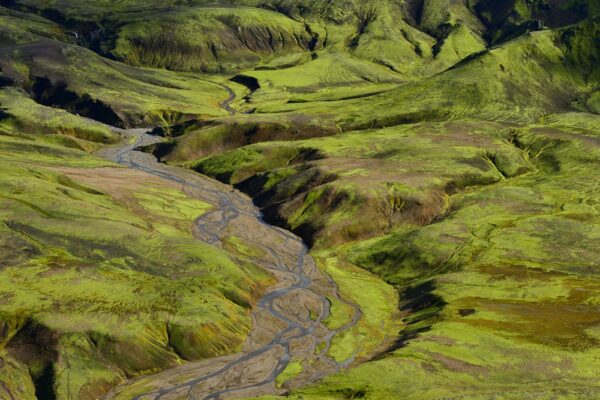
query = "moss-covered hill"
x=101 y=277
x=450 y=147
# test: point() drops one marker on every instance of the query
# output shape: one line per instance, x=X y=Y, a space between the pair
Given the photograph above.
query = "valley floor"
x=297 y=324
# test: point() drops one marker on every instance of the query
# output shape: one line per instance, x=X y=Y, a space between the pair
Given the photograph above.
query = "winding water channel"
x=288 y=320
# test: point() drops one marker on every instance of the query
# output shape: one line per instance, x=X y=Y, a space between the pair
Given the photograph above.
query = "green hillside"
x=439 y=157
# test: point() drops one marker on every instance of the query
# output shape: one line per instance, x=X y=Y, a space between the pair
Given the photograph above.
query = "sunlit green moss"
x=81 y=257
x=377 y=303
x=210 y=39
x=27 y=116
x=466 y=177
x=292 y=370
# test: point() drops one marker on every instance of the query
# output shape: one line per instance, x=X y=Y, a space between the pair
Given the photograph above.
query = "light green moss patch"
x=292 y=370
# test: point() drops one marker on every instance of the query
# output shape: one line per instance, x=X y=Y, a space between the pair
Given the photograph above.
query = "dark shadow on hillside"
x=57 y=95
x=35 y=344
x=250 y=82
x=44 y=384
x=178 y=129
x=97 y=36
x=160 y=149
x=422 y=308
x=4 y=81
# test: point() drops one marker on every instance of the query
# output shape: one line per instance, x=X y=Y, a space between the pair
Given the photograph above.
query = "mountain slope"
x=448 y=147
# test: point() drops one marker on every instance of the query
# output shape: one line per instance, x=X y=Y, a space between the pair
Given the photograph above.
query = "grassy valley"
x=101 y=278
x=439 y=158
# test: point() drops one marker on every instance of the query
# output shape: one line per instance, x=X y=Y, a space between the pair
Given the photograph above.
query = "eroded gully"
x=288 y=320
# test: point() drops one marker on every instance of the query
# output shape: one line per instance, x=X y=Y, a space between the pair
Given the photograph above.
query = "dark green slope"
x=413 y=38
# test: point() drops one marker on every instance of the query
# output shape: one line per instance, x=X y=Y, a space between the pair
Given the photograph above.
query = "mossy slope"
x=486 y=222
x=101 y=278
x=465 y=176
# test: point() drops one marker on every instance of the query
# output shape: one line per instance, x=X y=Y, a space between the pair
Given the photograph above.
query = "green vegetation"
x=100 y=268
x=440 y=158
x=292 y=370
x=486 y=221
x=340 y=314
x=229 y=39
x=136 y=96
x=377 y=303
x=25 y=115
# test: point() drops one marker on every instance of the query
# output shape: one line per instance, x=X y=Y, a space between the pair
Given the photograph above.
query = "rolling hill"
x=439 y=158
